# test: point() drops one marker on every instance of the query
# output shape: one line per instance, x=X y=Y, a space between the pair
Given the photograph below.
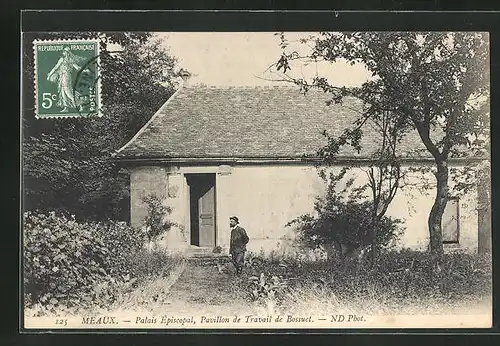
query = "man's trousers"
x=238 y=261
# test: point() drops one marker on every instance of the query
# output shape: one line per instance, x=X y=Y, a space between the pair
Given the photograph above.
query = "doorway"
x=201 y=189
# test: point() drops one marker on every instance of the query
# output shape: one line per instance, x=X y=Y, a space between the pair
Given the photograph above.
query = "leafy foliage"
x=268 y=291
x=262 y=287
x=433 y=83
x=155 y=221
x=74 y=264
x=67 y=164
x=343 y=217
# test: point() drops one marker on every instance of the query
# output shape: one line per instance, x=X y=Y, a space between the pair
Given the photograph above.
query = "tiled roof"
x=250 y=122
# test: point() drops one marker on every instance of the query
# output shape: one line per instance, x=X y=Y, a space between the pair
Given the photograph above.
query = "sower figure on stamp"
x=62 y=75
x=237 y=246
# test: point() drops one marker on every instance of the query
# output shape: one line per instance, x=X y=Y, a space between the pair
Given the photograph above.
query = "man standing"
x=237 y=246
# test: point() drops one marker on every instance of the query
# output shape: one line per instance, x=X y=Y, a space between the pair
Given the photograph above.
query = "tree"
x=344 y=222
x=384 y=179
x=66 y=163
x=434 y=83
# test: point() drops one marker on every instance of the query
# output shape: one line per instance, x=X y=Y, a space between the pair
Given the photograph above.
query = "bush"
x=347 y=223
x=346 y=219
x=67 y=263
x=155 y=221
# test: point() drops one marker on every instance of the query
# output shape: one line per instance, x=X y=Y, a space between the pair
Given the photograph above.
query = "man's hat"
x=234 y=218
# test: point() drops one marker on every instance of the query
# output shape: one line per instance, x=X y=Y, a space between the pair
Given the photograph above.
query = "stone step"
x=196 y=252
x=202 y=252
x=210 y=259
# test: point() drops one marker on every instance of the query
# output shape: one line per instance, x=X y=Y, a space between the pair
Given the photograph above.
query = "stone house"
x=213 y=152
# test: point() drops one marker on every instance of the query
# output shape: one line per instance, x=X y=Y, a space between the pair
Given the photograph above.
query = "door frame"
x=188 y=204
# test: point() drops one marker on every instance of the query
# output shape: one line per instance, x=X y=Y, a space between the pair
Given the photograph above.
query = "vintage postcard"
x=257 y=180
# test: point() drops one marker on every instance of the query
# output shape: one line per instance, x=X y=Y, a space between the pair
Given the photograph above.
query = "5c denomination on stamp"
x=67 y=78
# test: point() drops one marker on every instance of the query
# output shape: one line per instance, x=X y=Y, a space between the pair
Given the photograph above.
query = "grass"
x=400 y=283
x=153 y=291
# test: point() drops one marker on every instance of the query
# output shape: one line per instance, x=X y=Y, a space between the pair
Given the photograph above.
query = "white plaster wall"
x=143 y=181
x=164 y=182
x=267 y=197
x=413 y=204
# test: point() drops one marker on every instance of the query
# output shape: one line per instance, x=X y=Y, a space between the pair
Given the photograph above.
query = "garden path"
x=203 y=288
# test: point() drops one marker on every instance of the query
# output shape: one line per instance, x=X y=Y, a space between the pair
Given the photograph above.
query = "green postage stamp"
x=67 y=78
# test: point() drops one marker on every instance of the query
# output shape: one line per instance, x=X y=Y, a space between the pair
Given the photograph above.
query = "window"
x=450 y=222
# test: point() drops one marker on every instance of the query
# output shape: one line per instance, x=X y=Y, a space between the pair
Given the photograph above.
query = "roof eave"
x=270 y=160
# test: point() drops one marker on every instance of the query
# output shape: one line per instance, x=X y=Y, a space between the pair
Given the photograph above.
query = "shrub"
x=155 y=221
x=65 y=261
x=345 y=220
x=122 y=242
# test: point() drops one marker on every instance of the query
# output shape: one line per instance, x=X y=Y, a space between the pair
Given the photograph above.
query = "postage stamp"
x=67 y=78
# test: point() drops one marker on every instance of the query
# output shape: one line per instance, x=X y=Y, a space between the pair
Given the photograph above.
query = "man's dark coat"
x=239 y=239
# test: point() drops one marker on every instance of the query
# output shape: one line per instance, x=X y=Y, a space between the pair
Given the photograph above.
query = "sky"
x=241 y=58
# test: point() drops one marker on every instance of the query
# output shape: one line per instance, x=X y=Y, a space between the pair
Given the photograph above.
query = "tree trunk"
x=373 y=254
x=437 y=210
x=334 y=251
x=484 y=210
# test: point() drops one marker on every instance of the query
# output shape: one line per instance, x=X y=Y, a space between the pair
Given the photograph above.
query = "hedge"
x=71 y=264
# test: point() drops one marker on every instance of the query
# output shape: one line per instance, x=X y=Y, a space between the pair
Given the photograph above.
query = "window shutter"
x=450 y=222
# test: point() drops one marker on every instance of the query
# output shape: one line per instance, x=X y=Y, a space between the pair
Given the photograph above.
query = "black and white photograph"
x=256 y=180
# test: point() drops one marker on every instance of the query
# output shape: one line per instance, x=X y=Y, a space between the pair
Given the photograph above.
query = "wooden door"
x=206 y=212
